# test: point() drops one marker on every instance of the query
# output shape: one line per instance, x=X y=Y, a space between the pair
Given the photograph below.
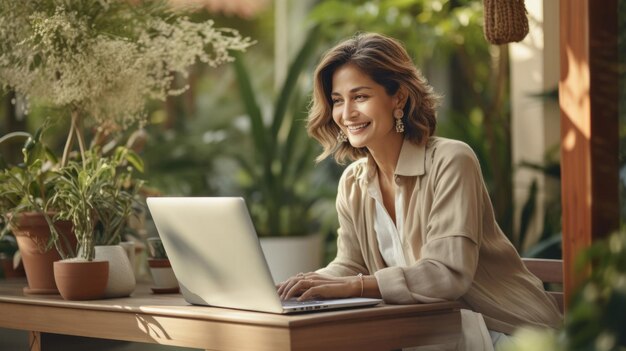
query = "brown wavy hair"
x=386 y=61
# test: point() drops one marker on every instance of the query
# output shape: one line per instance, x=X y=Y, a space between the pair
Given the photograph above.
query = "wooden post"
x=588 y=95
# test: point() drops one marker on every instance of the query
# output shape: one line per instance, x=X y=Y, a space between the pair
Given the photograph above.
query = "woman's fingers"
x=287 y=286
x=333 y=290
x=323 y=287
x=315 y=292
x=311 y=285
x=296 y=289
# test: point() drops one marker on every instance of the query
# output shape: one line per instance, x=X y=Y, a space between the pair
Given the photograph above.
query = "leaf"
x=252 y=107
x=17 y=259
x=331 y=11
x=400 y=3
x=135 y=160
x=295 y=69
x=50 y=155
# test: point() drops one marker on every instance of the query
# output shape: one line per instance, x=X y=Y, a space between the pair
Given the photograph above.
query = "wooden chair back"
x=550 y=272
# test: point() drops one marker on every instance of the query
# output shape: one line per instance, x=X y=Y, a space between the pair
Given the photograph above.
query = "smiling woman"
x=380 y=65
x=361 y=108
x=416 y=222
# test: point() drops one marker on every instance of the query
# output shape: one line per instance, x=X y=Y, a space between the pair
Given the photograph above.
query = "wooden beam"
x=588 y=95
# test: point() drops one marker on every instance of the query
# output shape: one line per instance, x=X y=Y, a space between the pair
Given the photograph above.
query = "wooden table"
x=168 y=319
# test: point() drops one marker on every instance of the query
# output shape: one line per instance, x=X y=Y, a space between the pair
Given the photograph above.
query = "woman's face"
x=362 y=108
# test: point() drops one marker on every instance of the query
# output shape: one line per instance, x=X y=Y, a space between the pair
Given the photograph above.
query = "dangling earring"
x=342 y=137
x=398 y=114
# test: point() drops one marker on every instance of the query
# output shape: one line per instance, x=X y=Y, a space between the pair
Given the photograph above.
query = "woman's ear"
x=401 y=97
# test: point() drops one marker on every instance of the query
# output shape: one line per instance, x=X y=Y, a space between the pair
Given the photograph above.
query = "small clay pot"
x=81 y=280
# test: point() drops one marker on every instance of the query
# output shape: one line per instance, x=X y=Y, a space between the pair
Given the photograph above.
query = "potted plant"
x=115 y=213
x=278 y=172
x=165 y=281
x=96 y=63
x=96 y=194
x=26 y=187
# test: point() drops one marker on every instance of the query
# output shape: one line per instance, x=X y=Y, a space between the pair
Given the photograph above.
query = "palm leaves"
x=281 y=162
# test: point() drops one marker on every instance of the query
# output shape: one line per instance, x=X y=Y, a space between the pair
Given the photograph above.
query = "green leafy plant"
x=278 y=166
x=595 y=317
x=101 y=183
x=28 y=186
x=156 y=249
x=92 y=194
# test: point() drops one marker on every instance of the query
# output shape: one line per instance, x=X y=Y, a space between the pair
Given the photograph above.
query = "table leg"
x=34 y=341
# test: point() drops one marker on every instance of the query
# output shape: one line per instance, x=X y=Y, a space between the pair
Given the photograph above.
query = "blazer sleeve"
x=449 y=255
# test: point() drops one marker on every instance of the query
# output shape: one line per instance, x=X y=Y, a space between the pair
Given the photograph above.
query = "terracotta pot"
x=163 y=276
x=32 y=234
x=81 y=280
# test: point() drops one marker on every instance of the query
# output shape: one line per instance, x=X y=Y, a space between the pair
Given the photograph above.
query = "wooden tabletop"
x=168 y=319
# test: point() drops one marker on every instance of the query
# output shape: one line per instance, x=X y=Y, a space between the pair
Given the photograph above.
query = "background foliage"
x=191 y=139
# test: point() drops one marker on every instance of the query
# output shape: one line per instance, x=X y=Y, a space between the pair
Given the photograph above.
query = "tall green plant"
x=279 y=163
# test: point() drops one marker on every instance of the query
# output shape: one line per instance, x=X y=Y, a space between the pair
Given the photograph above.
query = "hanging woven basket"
x=505 y=21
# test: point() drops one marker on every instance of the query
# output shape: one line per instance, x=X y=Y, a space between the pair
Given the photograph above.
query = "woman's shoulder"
x=444 y=151
x=448 y=145
x=355 y=170
x=354 y=178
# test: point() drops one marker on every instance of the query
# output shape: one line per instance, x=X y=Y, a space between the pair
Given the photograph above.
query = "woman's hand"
x=313 y=285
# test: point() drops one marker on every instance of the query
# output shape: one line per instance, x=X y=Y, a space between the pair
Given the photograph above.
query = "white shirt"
x=389 y=235
x=476 y=336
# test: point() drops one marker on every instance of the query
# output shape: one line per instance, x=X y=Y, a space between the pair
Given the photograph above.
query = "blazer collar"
x=412 y=159
x=410 y=163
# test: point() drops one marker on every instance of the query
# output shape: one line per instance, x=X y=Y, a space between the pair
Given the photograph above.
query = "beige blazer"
x=453 y=246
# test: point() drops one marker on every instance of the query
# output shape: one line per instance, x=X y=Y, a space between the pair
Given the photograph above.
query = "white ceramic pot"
x=129 y=247
x=121 y=276
x=163 y=276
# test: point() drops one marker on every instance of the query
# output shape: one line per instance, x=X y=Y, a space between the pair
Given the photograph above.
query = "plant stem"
x=68 y=143
x=78 y=129
x=75 y=130
x=55 y=237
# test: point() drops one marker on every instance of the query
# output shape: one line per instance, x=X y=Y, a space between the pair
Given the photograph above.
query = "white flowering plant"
x=102 y=59
x=99 y=62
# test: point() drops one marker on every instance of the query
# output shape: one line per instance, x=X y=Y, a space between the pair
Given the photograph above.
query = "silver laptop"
x=217 y=258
